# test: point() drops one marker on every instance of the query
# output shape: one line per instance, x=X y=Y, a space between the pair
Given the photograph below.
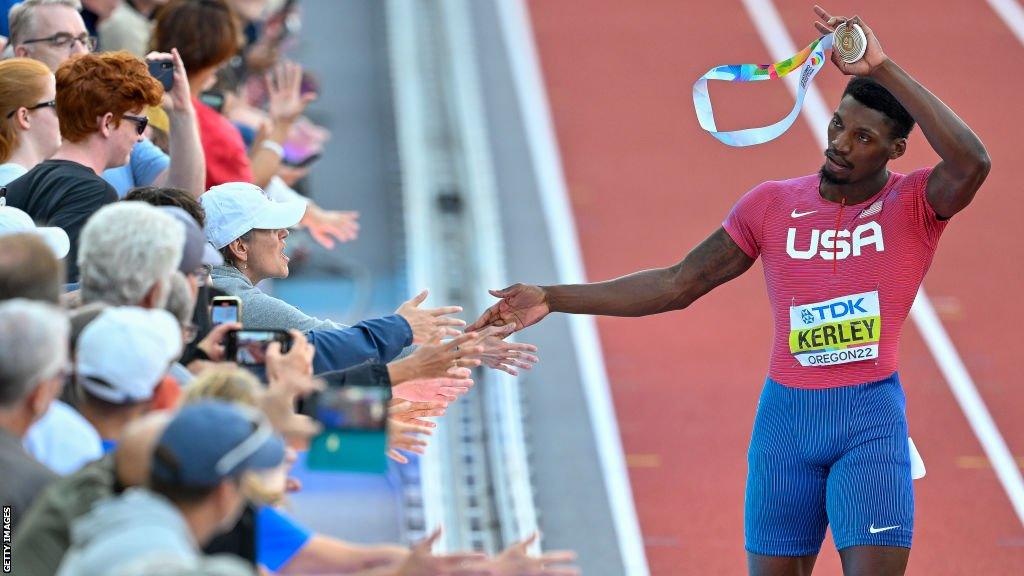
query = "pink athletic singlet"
x=841 y=279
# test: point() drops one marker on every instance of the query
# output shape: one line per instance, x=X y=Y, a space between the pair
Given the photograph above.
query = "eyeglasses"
x=50 y=104
x=140 y=122
x=65 y=40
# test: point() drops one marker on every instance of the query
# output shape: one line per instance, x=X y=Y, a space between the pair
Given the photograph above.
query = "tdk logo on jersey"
x=835 y=310
x=833 y=245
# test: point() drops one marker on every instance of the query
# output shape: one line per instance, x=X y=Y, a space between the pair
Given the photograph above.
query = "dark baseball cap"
x=212 y=440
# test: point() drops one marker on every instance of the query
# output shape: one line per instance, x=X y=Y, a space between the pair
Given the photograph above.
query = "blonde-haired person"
x=29 y=130
x=282 y=545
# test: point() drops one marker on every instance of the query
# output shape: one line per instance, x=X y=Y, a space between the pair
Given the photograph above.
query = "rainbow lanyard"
x=813 y=55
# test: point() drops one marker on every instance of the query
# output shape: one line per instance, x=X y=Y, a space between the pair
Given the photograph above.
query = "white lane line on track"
x=542 y=142
x=1012 y=14
x=776 y=37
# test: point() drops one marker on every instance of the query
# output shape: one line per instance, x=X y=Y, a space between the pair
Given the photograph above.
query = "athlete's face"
x=860 y=143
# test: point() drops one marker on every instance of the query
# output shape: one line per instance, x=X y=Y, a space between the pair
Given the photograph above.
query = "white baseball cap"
x=234 y=208
x=124 y=353
x=15 y=221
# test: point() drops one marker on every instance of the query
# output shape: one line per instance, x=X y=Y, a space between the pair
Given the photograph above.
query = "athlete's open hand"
x=521 y=304
x=873 y=55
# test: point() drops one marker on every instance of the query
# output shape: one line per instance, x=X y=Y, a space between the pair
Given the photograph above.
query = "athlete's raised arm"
x=713 y=262
x=965 y=161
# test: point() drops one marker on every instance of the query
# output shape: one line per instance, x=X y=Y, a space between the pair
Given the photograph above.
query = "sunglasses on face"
x=140 y=122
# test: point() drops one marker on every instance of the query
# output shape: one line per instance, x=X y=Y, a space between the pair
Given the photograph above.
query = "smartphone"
x=294 y=163
x=162 y=70
x=225 y=310
x=354 y=437
x=249 y=347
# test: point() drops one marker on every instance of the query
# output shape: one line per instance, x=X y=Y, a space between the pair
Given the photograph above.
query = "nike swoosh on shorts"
x=874 y=530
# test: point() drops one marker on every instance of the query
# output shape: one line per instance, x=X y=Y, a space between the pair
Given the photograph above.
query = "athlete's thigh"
x=784 y=508
x=758 y=565
x=871 y=495
x=874 y=560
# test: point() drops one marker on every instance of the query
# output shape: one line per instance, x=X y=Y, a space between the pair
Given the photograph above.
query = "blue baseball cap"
x=212 y=440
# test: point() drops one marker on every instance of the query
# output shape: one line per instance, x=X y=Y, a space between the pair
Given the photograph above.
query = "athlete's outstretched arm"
x=713 y=262
x=965 y=161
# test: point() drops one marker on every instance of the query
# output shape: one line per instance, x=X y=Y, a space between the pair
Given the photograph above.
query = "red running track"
x=646 y=184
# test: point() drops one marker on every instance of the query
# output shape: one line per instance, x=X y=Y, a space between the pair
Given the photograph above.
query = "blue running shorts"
x=829 y=457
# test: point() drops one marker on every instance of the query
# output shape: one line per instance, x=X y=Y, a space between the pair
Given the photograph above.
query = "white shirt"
x=63 y=439
x=9 y=172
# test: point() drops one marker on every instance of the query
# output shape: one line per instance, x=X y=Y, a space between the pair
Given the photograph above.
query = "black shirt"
x=61 y=193
x=240 y=540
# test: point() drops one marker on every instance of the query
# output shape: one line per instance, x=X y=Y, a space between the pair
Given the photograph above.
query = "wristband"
x=273 y=147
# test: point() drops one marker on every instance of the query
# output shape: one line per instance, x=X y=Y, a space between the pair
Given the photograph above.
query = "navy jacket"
x=376 y=340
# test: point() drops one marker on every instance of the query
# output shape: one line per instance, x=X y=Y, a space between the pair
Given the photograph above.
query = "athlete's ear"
x=899 y=148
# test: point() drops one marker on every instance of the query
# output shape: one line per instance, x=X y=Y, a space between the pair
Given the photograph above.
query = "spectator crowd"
x=151 y=153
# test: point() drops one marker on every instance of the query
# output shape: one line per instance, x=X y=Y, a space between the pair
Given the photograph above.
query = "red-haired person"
x=53 y=31
x=29 y=131
x=100 y=100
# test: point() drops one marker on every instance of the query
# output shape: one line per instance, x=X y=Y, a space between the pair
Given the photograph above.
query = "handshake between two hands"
x=483 y=344
x=425 y=382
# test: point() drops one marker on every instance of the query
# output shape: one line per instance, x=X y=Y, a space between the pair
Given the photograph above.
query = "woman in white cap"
x=250 y=231
x=29 y=131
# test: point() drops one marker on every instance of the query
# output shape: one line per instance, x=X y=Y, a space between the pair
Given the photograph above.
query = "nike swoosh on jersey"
x=796 y=214
x=874 y=530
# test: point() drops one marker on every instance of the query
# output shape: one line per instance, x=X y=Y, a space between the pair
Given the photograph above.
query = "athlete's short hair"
x=874 y=96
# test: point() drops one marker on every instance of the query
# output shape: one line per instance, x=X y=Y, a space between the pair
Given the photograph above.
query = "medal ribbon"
x=811 y=59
